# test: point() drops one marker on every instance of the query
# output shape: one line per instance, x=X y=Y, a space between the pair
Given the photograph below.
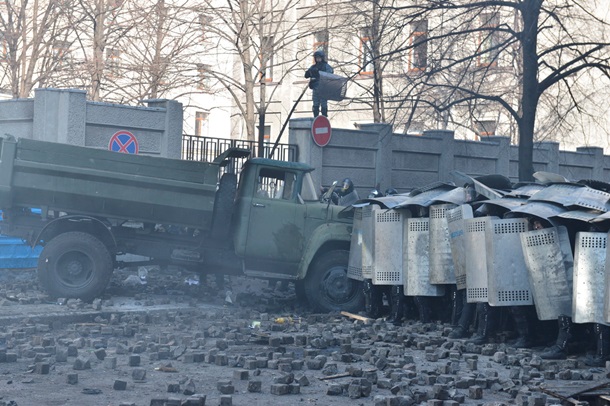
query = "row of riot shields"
x=542 y=243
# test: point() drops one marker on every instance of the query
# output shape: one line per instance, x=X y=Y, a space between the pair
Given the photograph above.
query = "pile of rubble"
x=258 y=350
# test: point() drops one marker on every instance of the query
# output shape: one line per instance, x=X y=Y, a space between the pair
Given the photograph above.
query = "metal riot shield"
x=441 y=261
x=416 y=240
x=607 y=287
x=589 y=278
x=507 y=279
x=367 y=240
x=476 y=258
x=387 y=254
x=354 y=264
x=550 y=264
x=455 y=223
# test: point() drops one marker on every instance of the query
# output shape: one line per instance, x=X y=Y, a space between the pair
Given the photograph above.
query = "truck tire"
x=75 y=265
x=223 y=206
x=327 y=286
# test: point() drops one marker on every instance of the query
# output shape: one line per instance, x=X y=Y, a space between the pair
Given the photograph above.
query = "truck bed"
x=91 y=181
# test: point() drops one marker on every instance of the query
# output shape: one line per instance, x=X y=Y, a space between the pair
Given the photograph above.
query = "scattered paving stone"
x=82 y=363
x=138 y=374
x=119 y=385
x=72 y=378
x=254 y=386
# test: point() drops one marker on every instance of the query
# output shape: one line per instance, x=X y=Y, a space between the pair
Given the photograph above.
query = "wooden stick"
x=356 y=317
x=343 y=375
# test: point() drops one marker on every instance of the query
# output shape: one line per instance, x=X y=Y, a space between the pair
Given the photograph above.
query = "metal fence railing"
x=196 y=148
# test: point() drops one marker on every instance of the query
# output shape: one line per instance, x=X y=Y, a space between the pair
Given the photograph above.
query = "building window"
x=204 y=22
x=320 y=42
x=266 y=59
x=201 y=123
x=61 y=52
x=489 y=40
x=266 y=132
x=485 y=128
x=3 y=47
x=203 y=76
x=366 y=52
x=113 y=61
x=418 y=46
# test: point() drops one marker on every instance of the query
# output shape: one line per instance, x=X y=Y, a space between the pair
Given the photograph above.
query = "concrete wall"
x=64 y=115
x=374 y=156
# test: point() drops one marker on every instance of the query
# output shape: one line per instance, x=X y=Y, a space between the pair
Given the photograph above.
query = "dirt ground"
x=167 y=337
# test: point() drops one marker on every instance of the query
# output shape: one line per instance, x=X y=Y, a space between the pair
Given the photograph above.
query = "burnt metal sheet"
x=589 y=278
x=549 y=177
x=455 y=223
x=508 y=203
x=387 y=256
x=526 y=190
x=368 y=213
x=586 y=216
x=539 y=209
x=354 y=264
x=455 y=196
x=549 y=260
x=424 y=199
x=386 y=202
x=507 y=278
x=476 y=258
x=441 y=261
x=416 y=242
x=484 y=184
x=572 y=194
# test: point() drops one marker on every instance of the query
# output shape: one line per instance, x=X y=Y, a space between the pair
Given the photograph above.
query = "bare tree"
x=258 y=39
x=513 y=55
x=35 y=36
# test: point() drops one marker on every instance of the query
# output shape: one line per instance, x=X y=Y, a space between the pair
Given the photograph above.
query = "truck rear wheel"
x=327 y=286
x=75 y=265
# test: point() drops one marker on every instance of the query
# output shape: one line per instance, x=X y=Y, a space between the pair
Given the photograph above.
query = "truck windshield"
x=308 y=191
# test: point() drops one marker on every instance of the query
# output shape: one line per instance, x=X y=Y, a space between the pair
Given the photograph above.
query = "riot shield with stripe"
x=416 y=242
x=507 y=277
x=455 y=223
x=550 y=264
x=354 y=264
x=367 y=240
x=387 y=257
x=476 y=258
x=589 y=278
x=442 y=270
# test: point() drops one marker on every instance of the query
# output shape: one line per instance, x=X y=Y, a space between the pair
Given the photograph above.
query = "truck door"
x=275 y=226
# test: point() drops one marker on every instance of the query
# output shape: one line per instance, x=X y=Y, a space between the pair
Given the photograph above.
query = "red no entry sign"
x=125 y=142
x=321 y=131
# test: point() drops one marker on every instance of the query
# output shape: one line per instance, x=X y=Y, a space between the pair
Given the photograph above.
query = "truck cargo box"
x=83 y=180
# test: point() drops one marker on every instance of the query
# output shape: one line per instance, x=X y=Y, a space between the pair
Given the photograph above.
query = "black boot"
x=373 y=299
x=559 y=349
x=466 y=317
x=397 y=304
x=602 y=354
x=522 y=324
x=423 y=307
x=325 y=111
x=316 y=111
x=486 y=322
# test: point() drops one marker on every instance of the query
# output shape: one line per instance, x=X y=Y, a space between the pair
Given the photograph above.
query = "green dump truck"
x=96 y=205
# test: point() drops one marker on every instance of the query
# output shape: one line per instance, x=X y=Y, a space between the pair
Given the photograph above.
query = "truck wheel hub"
x=336 y=284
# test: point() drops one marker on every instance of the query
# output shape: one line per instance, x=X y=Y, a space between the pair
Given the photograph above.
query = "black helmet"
x=391 y=191
x=347 y=187
x=374 y=194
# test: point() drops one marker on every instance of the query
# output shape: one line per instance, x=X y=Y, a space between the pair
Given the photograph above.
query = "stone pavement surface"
x=167 y=338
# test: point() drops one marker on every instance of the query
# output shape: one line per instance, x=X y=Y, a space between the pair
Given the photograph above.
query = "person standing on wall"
x=313 y=74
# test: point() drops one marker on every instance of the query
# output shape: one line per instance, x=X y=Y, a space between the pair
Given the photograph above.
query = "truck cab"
x=282 y=230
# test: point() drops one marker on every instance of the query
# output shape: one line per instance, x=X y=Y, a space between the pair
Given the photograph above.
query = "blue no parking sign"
x=123 y=141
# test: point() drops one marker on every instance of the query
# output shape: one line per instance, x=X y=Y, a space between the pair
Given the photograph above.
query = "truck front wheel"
x=327 y=286
x=75 y=265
